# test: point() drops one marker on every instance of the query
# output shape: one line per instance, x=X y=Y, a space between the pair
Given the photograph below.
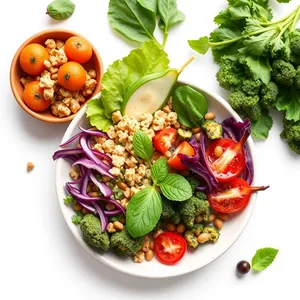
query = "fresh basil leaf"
x=159 y=170
x=132 y=20
x=96 y=114
x=143 y=212
x=142 y=145
x=190 y=106
x=289 y=102
x=120 y=76
x=261 y=128
x=259 y=67
x=175 y=187
x=202 y=45
x=60 y=9
x=263 y=258
x=149 y=4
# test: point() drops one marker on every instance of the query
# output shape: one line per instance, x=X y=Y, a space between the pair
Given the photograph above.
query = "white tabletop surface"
x=39 y=257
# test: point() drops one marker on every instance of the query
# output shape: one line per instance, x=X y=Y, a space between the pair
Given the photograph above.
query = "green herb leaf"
x=261 y=128
x=202 y=45
x=289 y=102
x=263 y=258
x=160 y=170
x=259 y=67
x=76 y=219
x=69 y=200
x=132 y=20
x=149 y=4
x=190 y=106
x=143 y=212
x=61 y=9
x=96 y=114
x=175 y=187
x=120 y=76
x=142 y=145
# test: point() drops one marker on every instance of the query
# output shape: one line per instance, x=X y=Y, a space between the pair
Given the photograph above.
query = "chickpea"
x=203 y=238
x=196 y=129
x=197 y=136
x=218 y=223
x=110 y=206
x=223 y=217
x=76 y=206
x=122 y=185
x=212 y=218
x=149 y=255
x=146 y=246
x=183 y=127
x=210 y=116
x=170 y=227
x=152 y=244
x=198 y=219
x=85 y=211
x=218 y=151
x=111 y=228
x=118 y=225
x=180 y=228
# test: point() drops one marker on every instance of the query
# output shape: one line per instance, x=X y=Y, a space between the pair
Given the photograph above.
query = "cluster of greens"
x=259 y=63
x=145 y=207
x=137 y=19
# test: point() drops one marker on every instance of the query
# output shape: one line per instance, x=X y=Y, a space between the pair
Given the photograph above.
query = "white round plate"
x=154 y=269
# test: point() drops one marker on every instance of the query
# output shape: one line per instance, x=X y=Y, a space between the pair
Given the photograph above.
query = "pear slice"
x=151 y=92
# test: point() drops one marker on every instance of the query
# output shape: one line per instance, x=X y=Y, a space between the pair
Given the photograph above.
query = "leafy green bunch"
x=259 y=61
x=137 y=19
x=145 y=207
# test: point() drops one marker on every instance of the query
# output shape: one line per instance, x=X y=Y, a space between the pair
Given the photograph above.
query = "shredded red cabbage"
x=104 y=189
x=102 y=216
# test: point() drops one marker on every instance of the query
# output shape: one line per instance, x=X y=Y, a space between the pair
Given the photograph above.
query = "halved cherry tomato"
x=164 y=139
x=231 y=163
x=175 y=162
x=233 y=196
x=169 y=247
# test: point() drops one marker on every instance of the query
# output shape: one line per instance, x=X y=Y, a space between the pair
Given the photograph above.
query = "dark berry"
x=243 y=267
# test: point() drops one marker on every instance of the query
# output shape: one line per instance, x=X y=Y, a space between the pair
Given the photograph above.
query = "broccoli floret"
x=269 y=94
x=192 y=234
x=176 y=218
x=193 y=181
x=283 y=72
x=124 y=244
x=213 y=233
x=90 y=226
x=295 y=41
x=246 y=105
x=193 y=207
x=251 y=87
x=229 y=75
x=213 y=129
x=297 y=78
x=200 y=195
x=167 y=209
x=291 y=132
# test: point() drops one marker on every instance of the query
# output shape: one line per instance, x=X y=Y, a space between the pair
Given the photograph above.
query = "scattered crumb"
x=30 y=166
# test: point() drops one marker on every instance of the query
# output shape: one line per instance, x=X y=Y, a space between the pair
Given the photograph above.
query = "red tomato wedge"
x=233 y=196
x=169 y=247
x=231 y=163
x=175 y=162
x=165 y=139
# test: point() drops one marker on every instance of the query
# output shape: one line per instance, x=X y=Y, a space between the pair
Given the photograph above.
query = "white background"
x=40 y=259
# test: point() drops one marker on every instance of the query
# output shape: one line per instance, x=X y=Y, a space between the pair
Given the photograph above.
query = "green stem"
x=166 y=34
x=279 y=21
x=297 y=17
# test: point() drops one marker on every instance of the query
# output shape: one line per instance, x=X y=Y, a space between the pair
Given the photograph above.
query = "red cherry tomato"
x=231 y=163
x=164 y=139
x=169 y=247
x=233 y=196
x=175 y=162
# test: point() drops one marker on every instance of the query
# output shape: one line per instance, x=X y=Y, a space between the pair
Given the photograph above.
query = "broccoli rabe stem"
x=297 y=17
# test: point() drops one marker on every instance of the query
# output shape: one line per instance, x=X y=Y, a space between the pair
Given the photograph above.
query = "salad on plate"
x=156 y=173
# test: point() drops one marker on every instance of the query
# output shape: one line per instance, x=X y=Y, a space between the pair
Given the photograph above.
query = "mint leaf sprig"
x=145 y=207
x=263 y=258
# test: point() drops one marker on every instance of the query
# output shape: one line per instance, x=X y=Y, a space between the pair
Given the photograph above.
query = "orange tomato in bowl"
x=33 y=97
x=72 y=76
x=78 y=49
x=32 y=59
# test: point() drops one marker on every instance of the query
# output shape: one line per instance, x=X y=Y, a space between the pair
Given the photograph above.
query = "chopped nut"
x=65 y=93
x=92 y=73
x=50 y=43
x=60 y=109
x=30 y=166
x=139 y=257
x=46 y=81
x=26 y=80
x=47 y=64
x=74 y=106
x=49 y=95
x=59 y=44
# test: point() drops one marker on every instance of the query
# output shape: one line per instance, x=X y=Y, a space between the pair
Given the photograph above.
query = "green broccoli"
x=90 y=226
x=193 y=181
x=295 y=41
x=192 y=234
x=283 y=72
x=213 y=129
x=269 y=94
x=200 y=195
x=213 y=233
x=229 y=75
x=167 y=209
x=193 y=207
x=251 y=87
x=176 y=218
x=297 y=78
x=124 y=244
x=291 y=132
x=245 y=105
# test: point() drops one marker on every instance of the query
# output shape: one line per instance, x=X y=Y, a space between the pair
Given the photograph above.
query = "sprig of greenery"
x=263 y=258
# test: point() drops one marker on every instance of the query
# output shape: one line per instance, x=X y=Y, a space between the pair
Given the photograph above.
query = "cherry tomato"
x=233 y=196
x=169 y=247
x=232 y=161
x=164 y=139
x=175 y=162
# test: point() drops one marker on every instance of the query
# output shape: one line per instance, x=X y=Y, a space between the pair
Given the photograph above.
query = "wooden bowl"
x=16 y=72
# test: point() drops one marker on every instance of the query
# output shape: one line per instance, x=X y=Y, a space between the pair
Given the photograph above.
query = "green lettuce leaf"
x=289 y=102
x=259 y=67
x=261 y=128
x=120 y=76
x=149 y=4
